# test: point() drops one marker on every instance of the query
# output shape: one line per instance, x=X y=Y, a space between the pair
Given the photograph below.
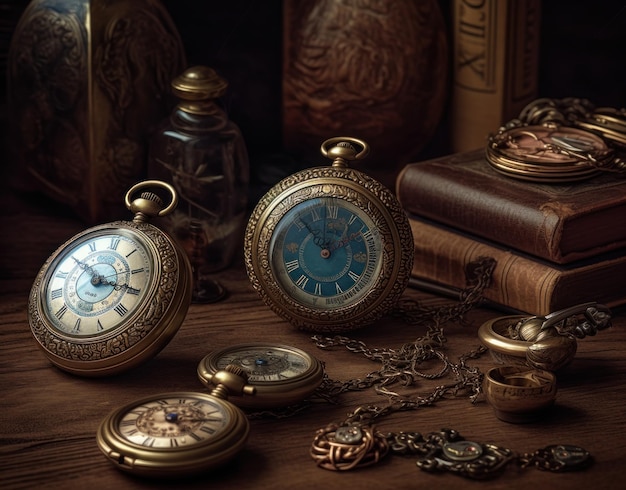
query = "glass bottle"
x=203 y=155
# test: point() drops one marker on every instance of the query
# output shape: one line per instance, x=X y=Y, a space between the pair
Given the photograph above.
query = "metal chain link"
x=404 y=365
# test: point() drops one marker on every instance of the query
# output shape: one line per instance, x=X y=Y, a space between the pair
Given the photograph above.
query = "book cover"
x=519 y=282
x=557 y=222
x=495 y=66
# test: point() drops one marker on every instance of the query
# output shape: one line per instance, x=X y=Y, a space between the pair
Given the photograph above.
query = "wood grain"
x=49 y=418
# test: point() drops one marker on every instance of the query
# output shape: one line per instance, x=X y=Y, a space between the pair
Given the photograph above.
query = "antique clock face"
x=113 y=295
x=97 y=282
x=329 y=248
x=173 y=434
x=282 y=375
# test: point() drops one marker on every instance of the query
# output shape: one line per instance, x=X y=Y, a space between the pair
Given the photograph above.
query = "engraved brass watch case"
x=114 y=295
x=178 y=434
x=329 y=248
x=282 y=375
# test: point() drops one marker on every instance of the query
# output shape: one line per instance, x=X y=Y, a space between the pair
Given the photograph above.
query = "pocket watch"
x=329 y=248
x=282 y=375
x=177 y=433
x=113 y=295
x=548 y=153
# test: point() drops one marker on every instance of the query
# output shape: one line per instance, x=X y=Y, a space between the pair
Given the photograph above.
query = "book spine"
x=518 y=282
x=494 y=68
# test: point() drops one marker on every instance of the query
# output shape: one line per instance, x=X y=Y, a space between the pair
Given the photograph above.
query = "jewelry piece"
x=548 y=342
x=347 y=447
x=607 y=122
x=548 y=152
x=572 y=132
x=355 y=442
x=519 y=394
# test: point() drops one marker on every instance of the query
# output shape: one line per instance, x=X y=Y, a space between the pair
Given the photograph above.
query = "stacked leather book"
x=556 y=244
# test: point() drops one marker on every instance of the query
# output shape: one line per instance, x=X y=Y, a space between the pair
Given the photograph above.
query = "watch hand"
x=175 y=418
x=85 y=267
x=96 y=278
x=316 y=235
x=103 y=280
x=345 y=240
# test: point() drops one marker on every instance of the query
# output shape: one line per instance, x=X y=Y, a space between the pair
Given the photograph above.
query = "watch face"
x=266 y=364
x=96 y=283
x=282 y=375
x=173 y=422
x=173 y=434
x=326 y=252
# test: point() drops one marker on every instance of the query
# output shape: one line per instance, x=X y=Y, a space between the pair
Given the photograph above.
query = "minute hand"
x=344 y=240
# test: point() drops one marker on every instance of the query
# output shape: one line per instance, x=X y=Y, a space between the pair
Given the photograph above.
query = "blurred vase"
x=88 y=83
x=373 y=69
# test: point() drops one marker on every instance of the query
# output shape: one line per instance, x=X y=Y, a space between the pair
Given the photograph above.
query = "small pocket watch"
x=282 y=375
x=329 y=248
x=113 y=295
x=179 y=433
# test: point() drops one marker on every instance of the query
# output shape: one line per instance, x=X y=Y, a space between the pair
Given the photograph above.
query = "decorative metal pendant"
x=447 y=451
x=345 y=447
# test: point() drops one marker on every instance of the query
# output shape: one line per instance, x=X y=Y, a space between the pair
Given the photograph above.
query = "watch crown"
x=231 y=381
x=149 y=204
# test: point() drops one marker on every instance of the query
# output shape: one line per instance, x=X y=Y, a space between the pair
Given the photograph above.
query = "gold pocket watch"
x=329 y=248
x=113 y=295
x=179 y=433
x=282 y=375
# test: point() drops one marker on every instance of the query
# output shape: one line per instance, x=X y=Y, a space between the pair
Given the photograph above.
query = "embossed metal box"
x=88 y=82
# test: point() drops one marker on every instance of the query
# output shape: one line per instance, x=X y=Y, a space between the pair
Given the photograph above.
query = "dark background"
x=582 y=54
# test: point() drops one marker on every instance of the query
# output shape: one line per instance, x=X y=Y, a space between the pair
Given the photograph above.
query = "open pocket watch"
x=282 y=375
x=113 y=295
x=329 y=248
x=179 y=433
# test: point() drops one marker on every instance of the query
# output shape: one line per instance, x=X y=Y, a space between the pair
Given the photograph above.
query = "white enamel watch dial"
x=98 y=282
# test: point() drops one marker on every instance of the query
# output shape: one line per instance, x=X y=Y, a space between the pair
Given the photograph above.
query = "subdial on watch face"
x=170 y=423
x=326 y=252
x=266 y=363
x=96 y=285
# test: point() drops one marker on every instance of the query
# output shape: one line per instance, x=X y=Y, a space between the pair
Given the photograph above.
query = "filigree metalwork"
x=365 y=193
x=118 y=342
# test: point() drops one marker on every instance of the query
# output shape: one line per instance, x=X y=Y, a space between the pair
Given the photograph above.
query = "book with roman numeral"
x=495 y=66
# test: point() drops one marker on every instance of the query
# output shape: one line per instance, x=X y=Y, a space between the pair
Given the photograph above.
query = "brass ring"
x=153 y=183
x=549 y=352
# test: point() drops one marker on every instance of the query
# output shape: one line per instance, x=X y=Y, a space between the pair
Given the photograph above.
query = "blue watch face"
x=326 y=253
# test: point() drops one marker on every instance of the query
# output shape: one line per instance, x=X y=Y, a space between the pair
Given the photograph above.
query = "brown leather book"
x=560 y=223
x=519 y=282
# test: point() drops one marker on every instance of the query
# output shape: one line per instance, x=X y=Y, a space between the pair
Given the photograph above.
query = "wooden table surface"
x=49 y=418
